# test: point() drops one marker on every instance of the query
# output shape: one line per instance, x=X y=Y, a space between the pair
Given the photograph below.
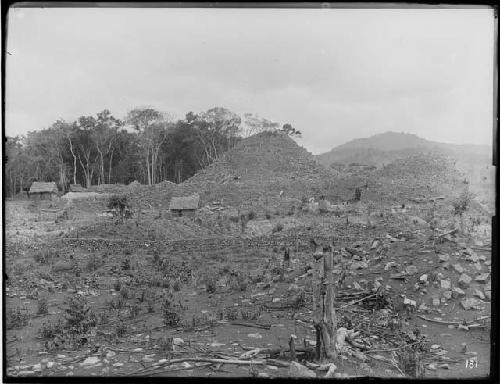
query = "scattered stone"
x=50 y=364
x=409 y=302
x=177 y=341
x=447 y=295
x=331 y=371
x=436 y=302
x=470 y=303
x=118 y=365
x=473 y=257
x=432 y=367
x=398 y=276
x=457 y=292
x=423 y=308
x=356 y=285
x=444 y=258
x=298 y=370
x=37 y=367
x=482 y=278
x=487 y=293
x=478 y=293
x=26 y=373
x=464 y=280
x=424 y=278
x=263 y=374
x=389 y=265
x=359 y=265
x=458 y=268
x=411 y=270
x=445 y=284
x=92 y=360
x=444 y=366
x=255 y=335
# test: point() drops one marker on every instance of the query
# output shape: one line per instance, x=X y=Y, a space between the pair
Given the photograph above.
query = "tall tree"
x=86 y=149
x=253 y=124
x=217 y=131
x=152 y=127
x=105 y=136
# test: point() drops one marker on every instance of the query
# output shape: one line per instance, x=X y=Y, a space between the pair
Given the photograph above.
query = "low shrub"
x=166 y=344
x=238 y=282
x=17 y=318
x=79 y=316
x=51 y=329
x=62 y=266
x=125 y=292
x=125 y=264
x=121 y=329
x=117 y=285
x=93 y=263
x=210 y=280
x=42 y=306
x=250 y=313
x=116 y=303
x=230 y=313
x=45 y=256
x=134 y=310
x=170 y=315
x=278 y=227
x=176 y=285
x=251 y=215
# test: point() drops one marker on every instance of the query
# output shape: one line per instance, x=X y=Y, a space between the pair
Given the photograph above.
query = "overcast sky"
x=333 y=74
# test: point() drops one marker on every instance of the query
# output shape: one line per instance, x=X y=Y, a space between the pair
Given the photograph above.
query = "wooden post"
x=292 y=349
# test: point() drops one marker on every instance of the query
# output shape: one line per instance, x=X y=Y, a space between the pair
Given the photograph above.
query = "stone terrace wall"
x=208 y=244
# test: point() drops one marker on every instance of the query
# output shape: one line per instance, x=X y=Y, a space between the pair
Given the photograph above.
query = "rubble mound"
x=257 y=170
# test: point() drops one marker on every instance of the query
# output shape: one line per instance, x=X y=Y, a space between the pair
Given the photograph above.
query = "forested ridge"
x=146 y=145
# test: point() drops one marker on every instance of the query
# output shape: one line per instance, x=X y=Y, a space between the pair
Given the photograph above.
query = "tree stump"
x=324 y=317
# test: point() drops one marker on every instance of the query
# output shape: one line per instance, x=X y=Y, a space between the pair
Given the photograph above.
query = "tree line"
x=148 y=145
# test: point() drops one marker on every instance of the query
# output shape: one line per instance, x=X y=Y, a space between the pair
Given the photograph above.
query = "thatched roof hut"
x=76 y=188
x=184 y=204
x=43 y=190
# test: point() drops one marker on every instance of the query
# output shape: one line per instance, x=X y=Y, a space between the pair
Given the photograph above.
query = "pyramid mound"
x=255 y=171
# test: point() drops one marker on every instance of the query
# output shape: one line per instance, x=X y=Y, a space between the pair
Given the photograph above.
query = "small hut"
x=43 y=191
x=76 y=188
x=185 y=205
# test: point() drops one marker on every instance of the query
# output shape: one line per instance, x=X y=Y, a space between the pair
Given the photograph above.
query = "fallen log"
x=273 y=351
x=453 y=322
x=452 y=232
x=254 y=325
x=358 y=301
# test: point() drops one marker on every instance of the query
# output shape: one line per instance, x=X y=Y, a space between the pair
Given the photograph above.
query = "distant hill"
x=386 y=147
